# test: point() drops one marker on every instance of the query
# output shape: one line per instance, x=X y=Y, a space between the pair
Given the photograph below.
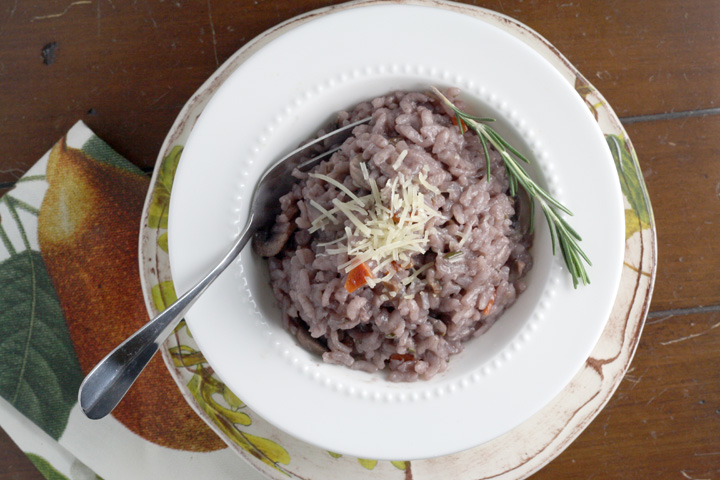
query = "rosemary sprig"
x=561 y=233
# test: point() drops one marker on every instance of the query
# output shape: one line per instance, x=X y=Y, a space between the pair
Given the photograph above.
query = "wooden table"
x=126 y=68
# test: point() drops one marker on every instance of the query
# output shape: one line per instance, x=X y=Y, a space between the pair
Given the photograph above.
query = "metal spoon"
x=107 y=383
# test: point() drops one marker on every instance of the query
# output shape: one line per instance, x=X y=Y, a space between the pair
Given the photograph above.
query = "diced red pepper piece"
x=488 y=307
x=402 y=357
x=357 y=277
x=464 y=127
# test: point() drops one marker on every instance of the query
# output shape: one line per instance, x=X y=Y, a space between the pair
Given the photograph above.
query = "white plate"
x=279 y=97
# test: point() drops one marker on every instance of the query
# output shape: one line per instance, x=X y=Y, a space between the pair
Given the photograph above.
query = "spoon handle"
x=108 y=382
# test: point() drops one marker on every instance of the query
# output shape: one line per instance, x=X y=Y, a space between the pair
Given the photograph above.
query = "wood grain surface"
x=127 y=67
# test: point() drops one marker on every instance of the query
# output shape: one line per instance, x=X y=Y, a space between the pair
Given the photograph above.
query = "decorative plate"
x=515 y=454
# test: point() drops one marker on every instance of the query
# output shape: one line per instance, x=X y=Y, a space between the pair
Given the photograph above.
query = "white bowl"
x=278 y=98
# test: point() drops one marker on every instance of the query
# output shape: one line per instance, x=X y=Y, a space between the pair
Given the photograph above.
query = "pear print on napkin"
x=88 y=228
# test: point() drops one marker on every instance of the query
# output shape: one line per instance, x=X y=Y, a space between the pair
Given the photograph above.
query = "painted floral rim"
x=515 y=455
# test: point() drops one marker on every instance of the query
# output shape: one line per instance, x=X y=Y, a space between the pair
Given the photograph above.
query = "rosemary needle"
x=561 y=233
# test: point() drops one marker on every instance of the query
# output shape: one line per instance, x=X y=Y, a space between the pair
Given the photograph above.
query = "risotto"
x=398 y=248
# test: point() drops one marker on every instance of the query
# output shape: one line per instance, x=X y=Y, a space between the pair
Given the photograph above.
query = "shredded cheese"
x=324 y=212
x=337 y=184
x=381 y=266
x=464 y=236
x=334 y=242
x=423 y=181
x=364 y=171
x=416 y=273
x=351 y=216
x=399 y=159
x=389 y=224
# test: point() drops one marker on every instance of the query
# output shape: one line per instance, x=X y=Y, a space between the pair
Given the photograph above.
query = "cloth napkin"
x=69 y=292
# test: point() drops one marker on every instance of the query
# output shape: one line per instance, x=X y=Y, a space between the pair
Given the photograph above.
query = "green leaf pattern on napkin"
x=48 y=471
x=97 y=149
x=40 y=374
